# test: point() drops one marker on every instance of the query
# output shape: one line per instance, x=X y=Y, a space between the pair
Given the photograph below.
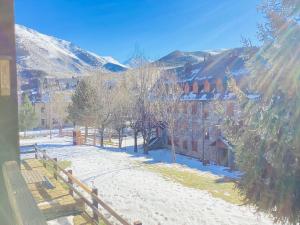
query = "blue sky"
x=157 y=27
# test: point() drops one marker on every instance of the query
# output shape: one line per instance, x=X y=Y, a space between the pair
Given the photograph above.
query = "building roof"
x=222 y=143
x=217 y=67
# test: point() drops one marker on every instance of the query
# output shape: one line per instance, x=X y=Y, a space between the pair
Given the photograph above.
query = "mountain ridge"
x=178 y=58
x=45 y=55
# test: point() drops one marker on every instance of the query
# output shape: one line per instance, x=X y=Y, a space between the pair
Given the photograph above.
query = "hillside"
x=42 y=55
x=180 y=58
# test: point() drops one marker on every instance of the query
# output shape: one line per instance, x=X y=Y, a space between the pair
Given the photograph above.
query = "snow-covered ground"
x=139 y=194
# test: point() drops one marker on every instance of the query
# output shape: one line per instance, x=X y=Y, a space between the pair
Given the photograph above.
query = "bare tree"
x=134 y=118
x=102 y=86
x=121 y=108
x=165 y=103
x=59 y=112
x=140 y=82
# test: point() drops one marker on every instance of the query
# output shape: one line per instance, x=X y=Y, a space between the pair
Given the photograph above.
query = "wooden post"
x=86 y=134
x=35 y=153
x=95 y=203
x=44 y=158
x=55 y=168
x=70 y=182
x=74 y=137
x=137 y=223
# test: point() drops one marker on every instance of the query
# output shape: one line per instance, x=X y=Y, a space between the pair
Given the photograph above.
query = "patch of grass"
x=219 y=189
x=63 y=164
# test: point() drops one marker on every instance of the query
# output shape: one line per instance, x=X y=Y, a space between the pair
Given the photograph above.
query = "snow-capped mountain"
x=40 y=54
x=180 y=58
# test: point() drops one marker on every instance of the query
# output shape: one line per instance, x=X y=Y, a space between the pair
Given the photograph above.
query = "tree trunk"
x=86 y=132
x=144 y=143
x=120 y=138
x=135 y=141
x=94 y=140
x=173 y=148
x=109 y=137
x=101 y=131
x=60 y=130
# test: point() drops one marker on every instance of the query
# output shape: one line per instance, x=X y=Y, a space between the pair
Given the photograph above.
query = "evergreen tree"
x=80 y=110
x=268 y=143
x=27 y=116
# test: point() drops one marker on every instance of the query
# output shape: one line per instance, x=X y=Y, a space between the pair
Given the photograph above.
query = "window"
x=183 y=87
x=206 y=86
x=186 y=88
x=206 y=135
x=184 y=144
x=205 y=113
x=176 y=142
x=169 y=141
x=201 y=87
x=185 y=124
x=194 y=108
x=195 y=88
x=219 y=85
x=194 y=146
x=43 y=109
x=167 y=88
x=194 y=127
x=43 y=122
x=184 y=108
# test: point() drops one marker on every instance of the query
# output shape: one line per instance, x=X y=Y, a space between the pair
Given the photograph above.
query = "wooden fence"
x=76 y=187
x=92 y=138
x=68 y=133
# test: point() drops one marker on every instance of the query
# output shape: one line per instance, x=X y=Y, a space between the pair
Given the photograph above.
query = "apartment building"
x=198 y=131
x=51 y=109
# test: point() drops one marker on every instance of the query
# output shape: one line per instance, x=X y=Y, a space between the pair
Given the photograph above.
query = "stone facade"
x=198 y=132
x=205 y=91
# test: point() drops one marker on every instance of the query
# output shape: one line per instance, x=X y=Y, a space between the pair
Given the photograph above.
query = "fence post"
x=95 y=204
x=44 y=158
x=70 y=182
x=55 y=168
x=137 y=223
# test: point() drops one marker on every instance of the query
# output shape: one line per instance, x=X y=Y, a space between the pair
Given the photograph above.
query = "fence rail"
x=71 y=181
x=92 y=138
